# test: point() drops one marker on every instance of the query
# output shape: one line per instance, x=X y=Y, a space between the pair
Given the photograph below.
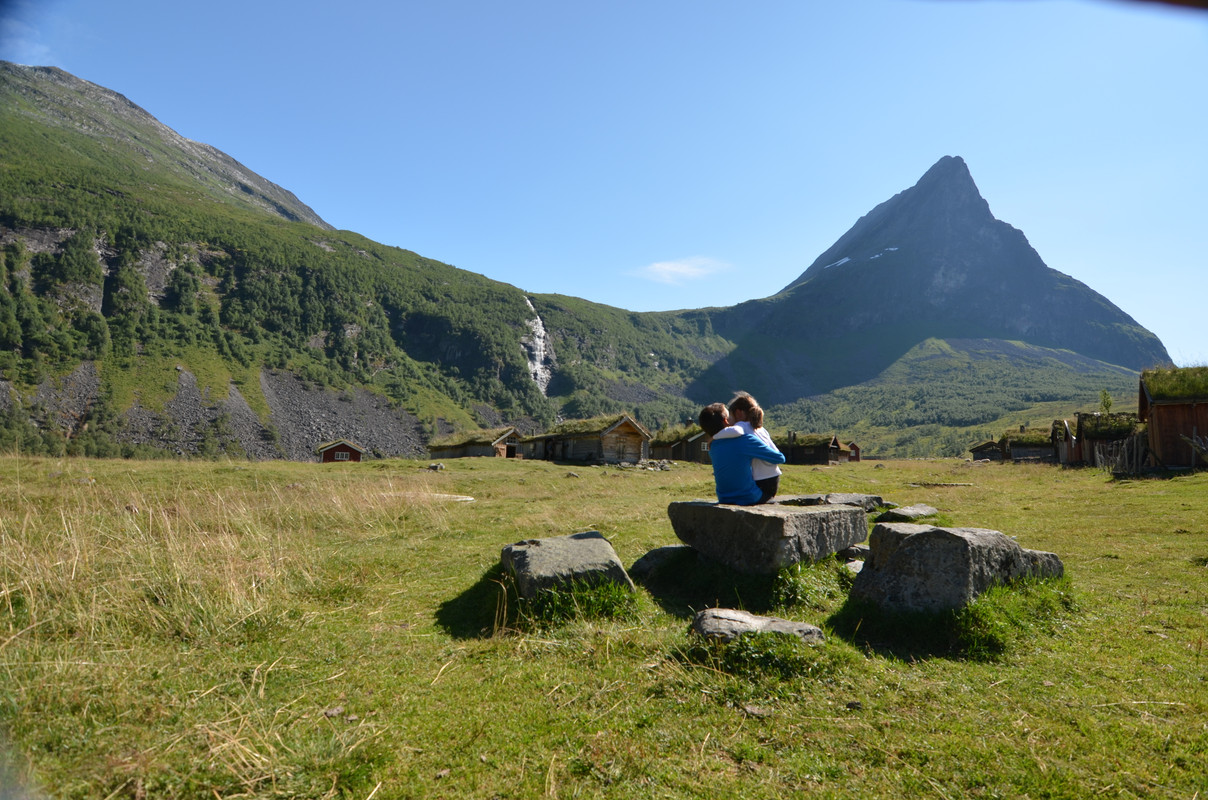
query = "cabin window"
x=340 y=455
x=704 y=447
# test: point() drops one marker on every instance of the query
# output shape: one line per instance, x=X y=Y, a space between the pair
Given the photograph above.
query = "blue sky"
x=671 y=154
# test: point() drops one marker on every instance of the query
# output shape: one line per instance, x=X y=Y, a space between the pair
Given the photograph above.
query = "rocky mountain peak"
x=944 y=207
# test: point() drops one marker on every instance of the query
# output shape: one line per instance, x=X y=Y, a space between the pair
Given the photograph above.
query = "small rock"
x=334 y=712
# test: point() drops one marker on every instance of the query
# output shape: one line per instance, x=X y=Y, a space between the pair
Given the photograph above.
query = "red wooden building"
x=340 y=451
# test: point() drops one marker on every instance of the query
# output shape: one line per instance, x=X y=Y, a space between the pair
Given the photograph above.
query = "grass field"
x=302 y=630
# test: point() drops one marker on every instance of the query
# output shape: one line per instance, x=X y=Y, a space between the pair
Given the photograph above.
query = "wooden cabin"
x=854 y=449
x=1027 y=444
x=494 y=442
x=988 y=450
x=682 y=443
x=812 y=448
x=340 y=451
x=1173 y=402
x=609 y=439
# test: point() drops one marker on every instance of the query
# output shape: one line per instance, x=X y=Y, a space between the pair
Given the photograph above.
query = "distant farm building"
x=854 y=450
x=1027 y=444
x=1173 y=403
x=988 y=450
x=813 y=448
x=681 y=443
x=339 y=451
x=610 y=439
x=497 y=442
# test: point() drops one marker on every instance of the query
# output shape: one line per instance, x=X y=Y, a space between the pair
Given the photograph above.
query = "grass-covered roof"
x=810 y=440
x=1172 y=384
x=484 y=436
x=1107 y=426
x=1032 y=437
x=583 y=427
x=676 y=433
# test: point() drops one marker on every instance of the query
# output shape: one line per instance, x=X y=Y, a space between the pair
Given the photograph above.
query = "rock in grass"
x=923 y=568
x=907 y=513
x=586 y=557
x=727 y=624
x=764 y=539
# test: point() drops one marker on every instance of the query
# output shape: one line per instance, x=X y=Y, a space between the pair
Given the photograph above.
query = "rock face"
x=727 y=624
x=539 y=564
x=762 y=540
x=923 y=568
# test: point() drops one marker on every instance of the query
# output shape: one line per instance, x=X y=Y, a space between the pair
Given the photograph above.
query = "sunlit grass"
x=231 y=630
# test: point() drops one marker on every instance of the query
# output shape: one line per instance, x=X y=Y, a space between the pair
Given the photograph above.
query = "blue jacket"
x=732 y=468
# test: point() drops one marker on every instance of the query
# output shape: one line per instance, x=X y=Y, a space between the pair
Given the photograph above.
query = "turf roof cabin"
x=496 y=442
x=605 y=440
x=988 y=450
x=1174 y=404
x=813 y=448
x=340 y=451
x=1028 y=444
x=681 y=443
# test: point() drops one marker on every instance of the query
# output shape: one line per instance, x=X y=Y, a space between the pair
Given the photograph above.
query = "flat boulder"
x=727 y=624
x=764 y=539
x=539 y=564
x=907 y=513
x=912 y=567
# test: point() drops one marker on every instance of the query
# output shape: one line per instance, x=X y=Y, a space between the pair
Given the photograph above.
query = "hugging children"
x=740 y=446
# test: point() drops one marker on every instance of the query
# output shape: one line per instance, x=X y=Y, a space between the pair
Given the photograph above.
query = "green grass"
x=232 y=630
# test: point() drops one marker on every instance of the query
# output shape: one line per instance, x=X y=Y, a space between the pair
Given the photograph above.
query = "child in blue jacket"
x=732 y=458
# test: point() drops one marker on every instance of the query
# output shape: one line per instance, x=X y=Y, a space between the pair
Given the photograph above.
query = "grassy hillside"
x=278 y=629
x=944 y=396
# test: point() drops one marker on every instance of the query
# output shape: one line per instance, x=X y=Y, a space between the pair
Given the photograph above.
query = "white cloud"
x=677 y=273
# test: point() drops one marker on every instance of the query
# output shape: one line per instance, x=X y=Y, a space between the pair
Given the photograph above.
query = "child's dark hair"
x=713 y=418
x=746 y=404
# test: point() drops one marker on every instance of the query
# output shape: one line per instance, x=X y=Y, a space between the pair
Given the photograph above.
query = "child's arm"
x=756 y=448
x=732 y=432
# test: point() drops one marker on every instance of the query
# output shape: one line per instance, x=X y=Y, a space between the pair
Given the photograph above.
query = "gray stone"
x=907 y=513
x=539 y=564
x=857 y=552
x=924 y=568
x=727 y=624
x=763 y=539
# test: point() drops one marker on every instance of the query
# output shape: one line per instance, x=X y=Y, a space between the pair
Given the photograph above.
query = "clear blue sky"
x=663 y=154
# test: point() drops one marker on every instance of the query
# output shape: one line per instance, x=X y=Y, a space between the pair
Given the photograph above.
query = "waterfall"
x=537 y=350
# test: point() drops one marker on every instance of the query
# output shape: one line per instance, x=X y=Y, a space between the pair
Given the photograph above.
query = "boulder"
x=763 y=539
x=727 y=624
x=907 y=513
x=924 y=568
x=539 y=564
